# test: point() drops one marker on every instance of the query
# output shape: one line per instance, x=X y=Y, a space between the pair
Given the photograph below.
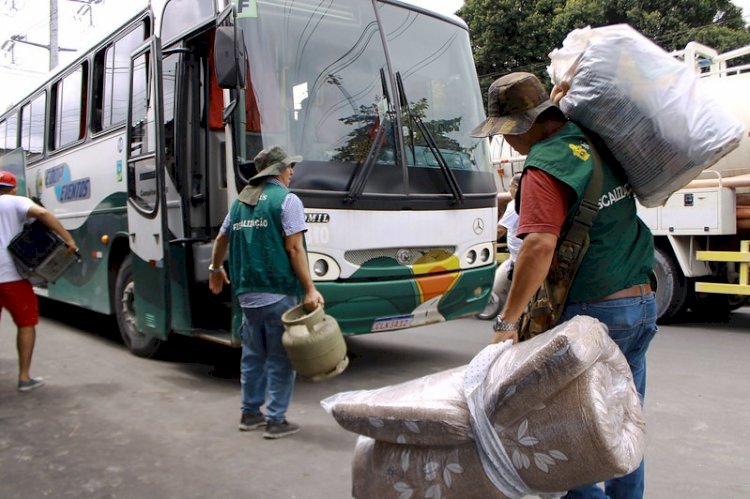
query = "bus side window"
x=68 y=108
x=11 y=132
x=32 y=127
x=3 y=128
x=111 y=78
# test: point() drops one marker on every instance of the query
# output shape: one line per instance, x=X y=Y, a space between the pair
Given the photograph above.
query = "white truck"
x=712 y=213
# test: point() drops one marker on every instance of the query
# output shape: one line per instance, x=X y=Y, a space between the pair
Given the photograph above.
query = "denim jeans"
x=632 y=325
x=265 y=370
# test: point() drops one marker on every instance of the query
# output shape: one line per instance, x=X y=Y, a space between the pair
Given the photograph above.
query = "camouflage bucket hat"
x=271 y=162
x=514 y=102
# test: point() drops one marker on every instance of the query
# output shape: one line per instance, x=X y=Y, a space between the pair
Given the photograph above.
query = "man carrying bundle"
x=613 y=272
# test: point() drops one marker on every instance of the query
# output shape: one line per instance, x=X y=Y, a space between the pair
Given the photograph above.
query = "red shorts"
x=19 y=298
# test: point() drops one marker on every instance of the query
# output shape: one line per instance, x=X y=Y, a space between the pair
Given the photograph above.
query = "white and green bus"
x=140 y=145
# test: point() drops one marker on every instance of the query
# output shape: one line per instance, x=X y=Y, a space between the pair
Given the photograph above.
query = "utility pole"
x=54 y=48
x=54 y=34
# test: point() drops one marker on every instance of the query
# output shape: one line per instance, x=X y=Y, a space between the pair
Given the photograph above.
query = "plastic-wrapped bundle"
x=432 y=410
x=648 y=107
x=424 y=411
x=562 y=407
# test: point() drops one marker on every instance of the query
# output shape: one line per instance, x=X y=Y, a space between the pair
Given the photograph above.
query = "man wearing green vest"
x=264 y=234
x=612 y=282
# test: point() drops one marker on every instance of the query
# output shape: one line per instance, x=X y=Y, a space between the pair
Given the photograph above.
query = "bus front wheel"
x=137 y=342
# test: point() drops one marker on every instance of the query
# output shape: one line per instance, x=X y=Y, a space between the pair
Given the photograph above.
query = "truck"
x=710 y=216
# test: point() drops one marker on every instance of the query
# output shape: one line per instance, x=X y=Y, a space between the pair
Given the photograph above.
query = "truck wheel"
x=671 y=287
x=137 y=342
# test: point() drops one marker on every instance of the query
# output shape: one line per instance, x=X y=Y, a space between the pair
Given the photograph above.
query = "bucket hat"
x=7 y=179
x=269 y=162
x=272 y=161
x=514 y=102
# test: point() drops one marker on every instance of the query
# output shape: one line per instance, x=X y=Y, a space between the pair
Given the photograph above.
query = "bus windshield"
x=327 y=81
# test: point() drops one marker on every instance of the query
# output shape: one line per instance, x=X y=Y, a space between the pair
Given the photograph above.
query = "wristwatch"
x=212 y=269
x=501 y=325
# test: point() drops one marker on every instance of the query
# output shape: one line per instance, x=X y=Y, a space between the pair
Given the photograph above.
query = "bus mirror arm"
x=226 y=115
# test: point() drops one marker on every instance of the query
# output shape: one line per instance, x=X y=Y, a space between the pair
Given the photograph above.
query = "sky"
x=24 y=67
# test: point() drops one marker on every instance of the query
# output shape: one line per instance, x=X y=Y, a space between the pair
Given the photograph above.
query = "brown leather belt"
x=637 y=290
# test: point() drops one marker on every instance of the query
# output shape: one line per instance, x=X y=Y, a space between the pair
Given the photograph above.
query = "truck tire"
x=137 y=342
x=671 y=287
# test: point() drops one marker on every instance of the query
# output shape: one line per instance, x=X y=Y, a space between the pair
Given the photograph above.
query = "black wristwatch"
x=501 y=325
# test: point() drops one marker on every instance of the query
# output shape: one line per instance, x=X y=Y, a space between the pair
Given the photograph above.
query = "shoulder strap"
x=574 y=243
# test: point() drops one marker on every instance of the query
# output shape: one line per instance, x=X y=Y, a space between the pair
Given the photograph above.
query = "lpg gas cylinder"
x=314 y=343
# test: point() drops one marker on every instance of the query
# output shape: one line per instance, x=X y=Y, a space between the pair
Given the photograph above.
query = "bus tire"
x=137 y=342
x=671 y=287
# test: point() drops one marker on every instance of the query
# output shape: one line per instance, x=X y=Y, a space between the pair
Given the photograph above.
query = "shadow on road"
x=402 y=352
x=737 y=321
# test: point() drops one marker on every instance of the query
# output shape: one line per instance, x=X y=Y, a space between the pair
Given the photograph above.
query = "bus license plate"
x=389 y=323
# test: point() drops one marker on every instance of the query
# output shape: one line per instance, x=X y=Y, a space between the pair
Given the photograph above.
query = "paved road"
x=111 y=425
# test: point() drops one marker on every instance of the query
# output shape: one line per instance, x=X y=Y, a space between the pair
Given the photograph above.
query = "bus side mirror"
x=229 y=57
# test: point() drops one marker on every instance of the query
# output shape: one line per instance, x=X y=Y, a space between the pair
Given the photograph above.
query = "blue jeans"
x=265 y=369
x=632 y=325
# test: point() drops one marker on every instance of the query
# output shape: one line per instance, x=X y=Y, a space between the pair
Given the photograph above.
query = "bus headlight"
x=323 y=267
x=320 y=267
x=479 y=255
x=485 y=256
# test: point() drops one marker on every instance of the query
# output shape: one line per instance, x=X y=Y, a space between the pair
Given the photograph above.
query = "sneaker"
x=30 y=384
x=280 y=429
x=252 y=421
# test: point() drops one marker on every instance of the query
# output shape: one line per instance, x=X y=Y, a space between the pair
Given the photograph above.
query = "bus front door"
x=147 y=207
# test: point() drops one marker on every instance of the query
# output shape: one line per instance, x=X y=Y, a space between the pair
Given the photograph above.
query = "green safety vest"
x=258 y=261
x=621 y=250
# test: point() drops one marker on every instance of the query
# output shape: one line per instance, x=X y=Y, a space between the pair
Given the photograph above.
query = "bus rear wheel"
x=671 y=287
x=137 y=342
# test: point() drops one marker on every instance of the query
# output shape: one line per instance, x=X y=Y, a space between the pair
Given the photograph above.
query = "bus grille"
x=405 y=256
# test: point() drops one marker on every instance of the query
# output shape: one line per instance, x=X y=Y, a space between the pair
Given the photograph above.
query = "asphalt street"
x=112 y=425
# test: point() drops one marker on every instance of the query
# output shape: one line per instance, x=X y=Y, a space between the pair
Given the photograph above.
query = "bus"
x=141 y=144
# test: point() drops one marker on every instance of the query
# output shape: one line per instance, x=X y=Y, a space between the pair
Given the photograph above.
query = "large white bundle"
x=648 y=107
x=545 y=415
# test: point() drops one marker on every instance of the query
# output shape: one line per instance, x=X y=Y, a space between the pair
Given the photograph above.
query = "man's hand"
x=501 y=336
x=71 y=247
x=313 y=300
x=216 y=280
x=558 y=92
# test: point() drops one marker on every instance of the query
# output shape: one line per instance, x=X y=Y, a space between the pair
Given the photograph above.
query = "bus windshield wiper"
x=430 y=141
x=363 y=170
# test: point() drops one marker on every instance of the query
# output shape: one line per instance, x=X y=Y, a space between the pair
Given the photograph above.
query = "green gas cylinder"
x=314 y=343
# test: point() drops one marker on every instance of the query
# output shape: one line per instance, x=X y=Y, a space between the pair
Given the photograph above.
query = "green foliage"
x=517 y=35
x=361 y=138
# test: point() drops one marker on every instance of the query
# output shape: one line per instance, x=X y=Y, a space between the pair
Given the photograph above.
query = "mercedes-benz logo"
x=478 y=226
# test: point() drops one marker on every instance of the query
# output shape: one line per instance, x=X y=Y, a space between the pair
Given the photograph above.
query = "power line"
x=53 y=48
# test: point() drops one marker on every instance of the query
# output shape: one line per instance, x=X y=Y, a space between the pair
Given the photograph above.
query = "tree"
x=517 y=35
